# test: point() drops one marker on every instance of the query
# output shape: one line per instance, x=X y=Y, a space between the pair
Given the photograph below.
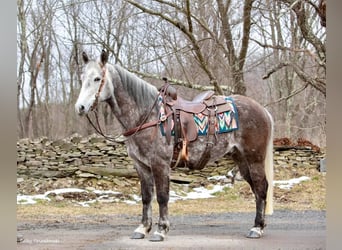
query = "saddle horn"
x=169 y=90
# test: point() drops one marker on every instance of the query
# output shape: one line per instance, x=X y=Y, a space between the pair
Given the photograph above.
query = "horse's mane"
x=143 y=92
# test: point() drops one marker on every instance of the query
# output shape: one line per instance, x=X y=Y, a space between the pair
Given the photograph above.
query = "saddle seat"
x=197 y=104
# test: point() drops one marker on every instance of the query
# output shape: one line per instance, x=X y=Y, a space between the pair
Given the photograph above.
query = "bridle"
x=93 y=107
x=130 y=132
x=102 y=83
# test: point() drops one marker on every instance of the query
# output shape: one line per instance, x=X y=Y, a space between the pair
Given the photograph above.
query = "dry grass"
x=308 y=195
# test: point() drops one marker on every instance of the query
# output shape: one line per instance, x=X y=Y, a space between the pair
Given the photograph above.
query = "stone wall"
x=78 y=157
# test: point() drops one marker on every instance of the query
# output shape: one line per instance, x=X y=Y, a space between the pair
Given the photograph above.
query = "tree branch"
x=189 y=35
x=302 y=20
x=279 y=47
x=297 y=91
x=317 y=83
x=179 y=82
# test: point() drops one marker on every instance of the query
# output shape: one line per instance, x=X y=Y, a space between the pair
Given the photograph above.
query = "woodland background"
x=271 y=50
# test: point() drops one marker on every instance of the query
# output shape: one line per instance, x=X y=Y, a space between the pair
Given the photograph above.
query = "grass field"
x=307 y=195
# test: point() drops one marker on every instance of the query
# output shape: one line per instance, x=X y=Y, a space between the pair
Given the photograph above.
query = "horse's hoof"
x=157 y=237
x=255 y=233
x=137 y=236
x=140 y=232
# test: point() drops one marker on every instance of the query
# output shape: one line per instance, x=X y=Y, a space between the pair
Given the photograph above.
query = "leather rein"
x=132 y=131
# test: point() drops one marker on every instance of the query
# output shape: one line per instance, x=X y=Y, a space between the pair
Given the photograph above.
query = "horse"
x=131 y=99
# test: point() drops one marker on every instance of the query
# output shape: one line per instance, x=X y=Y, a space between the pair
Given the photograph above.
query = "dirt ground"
x=299 y=221
x=286 y=230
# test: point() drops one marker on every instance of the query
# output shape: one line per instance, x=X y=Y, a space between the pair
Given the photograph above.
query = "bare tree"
x=22 y=48
x=293 y=69
x=196 y=29
x=305 y=17
x=229 y=46
x=236 y=59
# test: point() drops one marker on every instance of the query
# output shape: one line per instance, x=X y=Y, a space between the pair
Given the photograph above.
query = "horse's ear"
x=85 y=57
x=104 y=57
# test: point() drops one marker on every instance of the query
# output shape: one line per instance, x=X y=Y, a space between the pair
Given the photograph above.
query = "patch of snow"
x=288 y=184
x=86 y=203
x=130 y=202
x=106 y=192
x=203 y=193
x=198 y=193
x=104 y=196
x=217 y=178
x=31 y=199
x=65 y=190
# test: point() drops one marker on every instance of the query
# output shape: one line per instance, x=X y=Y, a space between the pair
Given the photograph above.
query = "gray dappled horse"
x=131 y=98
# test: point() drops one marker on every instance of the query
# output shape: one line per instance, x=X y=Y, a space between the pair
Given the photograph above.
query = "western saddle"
x=185 y=129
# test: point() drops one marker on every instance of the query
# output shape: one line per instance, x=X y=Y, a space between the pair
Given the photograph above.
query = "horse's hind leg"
x=254 y=174
x=259 y=187
x=147 y=187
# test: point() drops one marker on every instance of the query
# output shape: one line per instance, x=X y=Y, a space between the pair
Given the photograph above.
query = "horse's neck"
x=128 y=112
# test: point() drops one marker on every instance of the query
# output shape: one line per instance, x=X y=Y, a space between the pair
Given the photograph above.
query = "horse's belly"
x=197 y=148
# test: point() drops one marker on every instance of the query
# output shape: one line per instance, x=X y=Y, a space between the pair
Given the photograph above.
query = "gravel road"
x=285 y=230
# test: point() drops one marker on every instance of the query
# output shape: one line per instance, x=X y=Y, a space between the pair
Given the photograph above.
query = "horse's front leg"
x=162 y=182
x=146 y=182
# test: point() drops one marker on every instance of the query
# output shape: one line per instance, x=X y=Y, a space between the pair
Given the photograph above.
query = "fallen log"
x=119 y=172
x=130 y=173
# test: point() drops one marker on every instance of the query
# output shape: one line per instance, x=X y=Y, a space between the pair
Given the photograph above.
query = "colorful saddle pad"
x=225 y=122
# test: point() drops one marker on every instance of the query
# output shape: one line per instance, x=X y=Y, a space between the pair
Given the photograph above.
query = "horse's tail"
x=269 y=170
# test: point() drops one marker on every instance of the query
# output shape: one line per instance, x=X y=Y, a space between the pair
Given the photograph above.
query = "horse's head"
x=95 y=84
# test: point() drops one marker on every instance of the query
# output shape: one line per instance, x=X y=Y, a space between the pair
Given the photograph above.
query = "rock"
x=54 y=173
x=21 y=159
x=94 y=153
x=177 y=178
x=86 y=175
x=108 y=171
x=33 y=163
x=59 y=198
x=19 y=180
x=76 y=139
x=95 y=162
x=97 y=140
x=57 y=143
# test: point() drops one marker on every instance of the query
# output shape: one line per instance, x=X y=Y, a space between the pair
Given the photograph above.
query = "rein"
x=98 y=128
x=132 y=131
x=144 y=125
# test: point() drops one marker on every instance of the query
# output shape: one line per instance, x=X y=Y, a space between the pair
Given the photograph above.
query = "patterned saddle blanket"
x=226 y=121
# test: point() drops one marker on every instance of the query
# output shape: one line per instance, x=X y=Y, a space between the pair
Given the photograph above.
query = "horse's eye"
x=97 y=79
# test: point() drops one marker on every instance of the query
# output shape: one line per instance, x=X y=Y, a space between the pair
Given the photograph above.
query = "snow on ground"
x=32 y=199
x=288 y=184
x=198 y=193
x=110 y=196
